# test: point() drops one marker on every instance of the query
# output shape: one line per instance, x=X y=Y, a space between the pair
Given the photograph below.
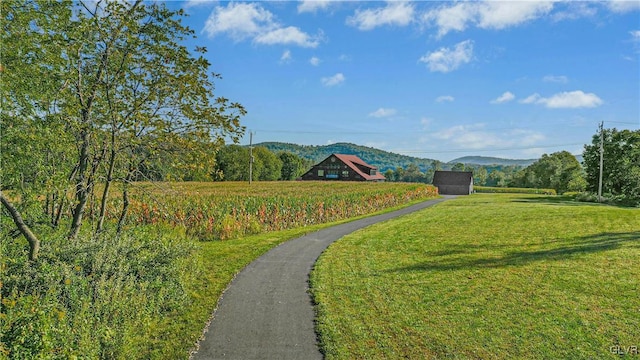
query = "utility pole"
x=250 y=156
x=601 y=160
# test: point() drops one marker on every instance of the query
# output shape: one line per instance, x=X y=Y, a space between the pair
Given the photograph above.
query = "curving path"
x=267 y=312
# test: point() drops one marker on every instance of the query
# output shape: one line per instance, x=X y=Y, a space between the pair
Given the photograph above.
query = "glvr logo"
x=624 y=350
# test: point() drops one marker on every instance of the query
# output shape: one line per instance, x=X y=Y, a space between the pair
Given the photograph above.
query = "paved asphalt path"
x=267 y=312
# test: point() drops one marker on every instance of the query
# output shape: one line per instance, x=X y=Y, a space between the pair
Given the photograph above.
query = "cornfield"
x=227 y=210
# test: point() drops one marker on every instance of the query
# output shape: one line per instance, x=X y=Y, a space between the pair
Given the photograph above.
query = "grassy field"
x=487 y=277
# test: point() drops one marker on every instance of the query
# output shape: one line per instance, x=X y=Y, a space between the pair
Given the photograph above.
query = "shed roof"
x=452 y=178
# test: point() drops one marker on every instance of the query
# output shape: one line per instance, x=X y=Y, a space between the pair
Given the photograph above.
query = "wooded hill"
x=487 y=160
x=383 y=160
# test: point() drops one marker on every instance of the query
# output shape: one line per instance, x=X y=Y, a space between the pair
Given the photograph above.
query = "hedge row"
x=506 y=190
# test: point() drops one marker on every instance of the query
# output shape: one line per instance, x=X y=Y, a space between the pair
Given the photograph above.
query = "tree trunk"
x=125 y=205
x=34 y=243
x=82 y=186
x=58 y=215
x=107 y=185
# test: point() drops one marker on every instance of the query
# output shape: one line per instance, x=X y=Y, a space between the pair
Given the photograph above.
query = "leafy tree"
x=480 y=176
x=390 y=175
x=105 y=86
x=497 y=178
x=458 y=167
x=267 y=165
x=560 y=171
x=412 y=173
x=621 y=159
x=293 y=166
x=232 y=162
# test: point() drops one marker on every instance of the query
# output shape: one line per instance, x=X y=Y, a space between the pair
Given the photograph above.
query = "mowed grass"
x=485 y=277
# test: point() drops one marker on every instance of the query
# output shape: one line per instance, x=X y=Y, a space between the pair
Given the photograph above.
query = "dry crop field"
x=227 y=210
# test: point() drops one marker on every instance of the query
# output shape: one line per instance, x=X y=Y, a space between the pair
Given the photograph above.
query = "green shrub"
x=619 y=200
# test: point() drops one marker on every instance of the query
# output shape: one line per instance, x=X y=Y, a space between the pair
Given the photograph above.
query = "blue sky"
x=437 y=80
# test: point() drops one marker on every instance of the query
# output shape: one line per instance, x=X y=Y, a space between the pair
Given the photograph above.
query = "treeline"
x=493 y=175
x=560 y=171
x=232 y=163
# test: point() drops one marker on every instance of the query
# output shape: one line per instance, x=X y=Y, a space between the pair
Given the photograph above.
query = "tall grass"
x=96 y=297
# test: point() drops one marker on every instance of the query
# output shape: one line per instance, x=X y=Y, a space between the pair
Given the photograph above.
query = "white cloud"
x=451 y=132
x=566 y=100
x=313 y=5
x=556 y=79
x=476 y=137
x=576 y=10
x=500 y=15
x=486 y=15
x=334 y=80
x=286 y=57
x=288 y=35
x=449 y=59
x=448 y=18
x=382 y=112
x=314 y=61
x=531 y=99
x=195 y=3
x=239 y=20
x=444 y=98
x=398 y=13
x=250 y=20
x=505 y=97
x=573 y=99
x=635 y=35
x=622 y=6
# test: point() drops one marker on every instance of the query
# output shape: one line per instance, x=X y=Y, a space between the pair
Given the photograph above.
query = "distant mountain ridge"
x=487 y=160
x=383 y=160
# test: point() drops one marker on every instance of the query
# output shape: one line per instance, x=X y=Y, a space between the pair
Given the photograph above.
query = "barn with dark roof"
x=344 y=168
x=453 y=182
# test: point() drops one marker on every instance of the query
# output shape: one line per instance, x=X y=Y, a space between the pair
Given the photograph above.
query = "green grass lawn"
x=485 y=276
